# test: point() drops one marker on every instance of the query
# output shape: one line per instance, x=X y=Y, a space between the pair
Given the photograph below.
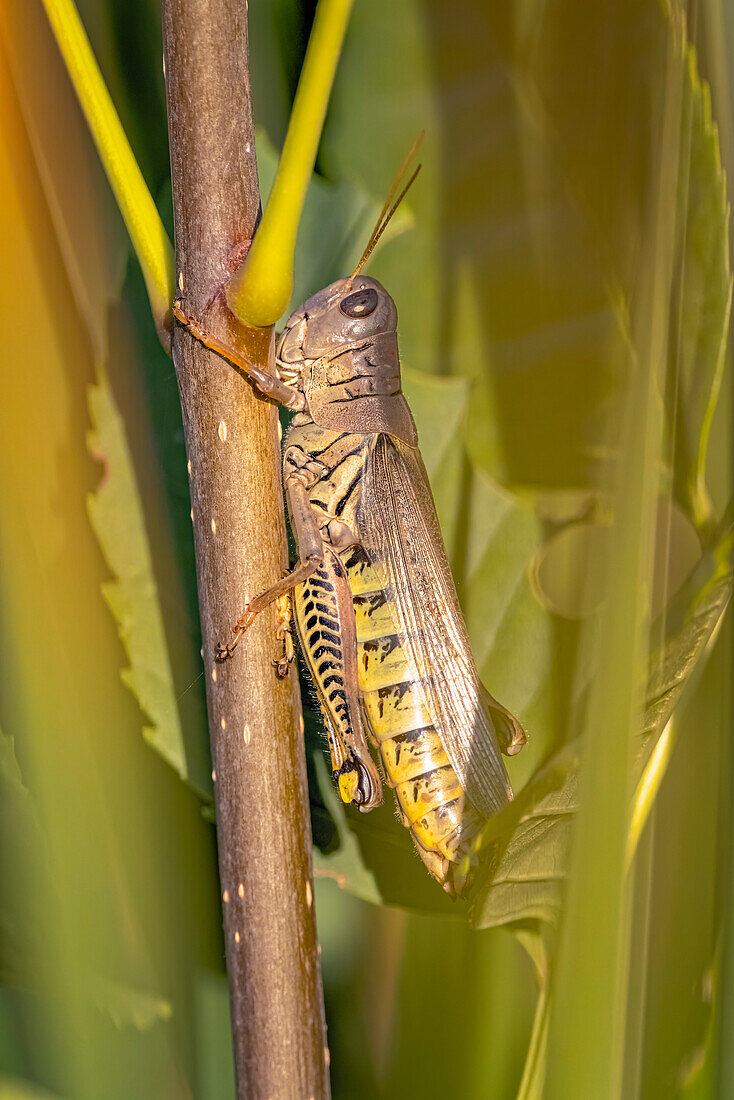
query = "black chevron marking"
x=330 y=649
x=416 y=735
x=350 y=454
x=330 y=624
x=371 y=601
x=358 y=556
x=352 y=486
x=335 y=678
x=315 y=454
x=321 y=582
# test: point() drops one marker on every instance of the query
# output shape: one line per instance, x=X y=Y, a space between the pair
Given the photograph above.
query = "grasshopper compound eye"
x=359 y=304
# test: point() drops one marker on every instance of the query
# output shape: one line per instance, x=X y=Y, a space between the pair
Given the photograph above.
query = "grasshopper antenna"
x=387 y=211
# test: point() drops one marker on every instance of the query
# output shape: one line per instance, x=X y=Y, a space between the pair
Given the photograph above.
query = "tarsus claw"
x=282 y=666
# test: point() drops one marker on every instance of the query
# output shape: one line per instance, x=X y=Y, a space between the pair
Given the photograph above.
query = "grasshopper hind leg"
x=355 y=780
x=327 y=631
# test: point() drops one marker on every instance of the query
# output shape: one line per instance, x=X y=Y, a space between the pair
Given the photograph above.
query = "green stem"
x=148 y=236
x=260 y=290
x=533 y=1076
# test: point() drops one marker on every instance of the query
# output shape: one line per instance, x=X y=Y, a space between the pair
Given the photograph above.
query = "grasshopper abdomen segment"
x=430 y=799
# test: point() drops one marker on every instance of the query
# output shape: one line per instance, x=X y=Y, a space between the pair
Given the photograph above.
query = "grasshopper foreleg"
x=267 y=384
x=311 y=554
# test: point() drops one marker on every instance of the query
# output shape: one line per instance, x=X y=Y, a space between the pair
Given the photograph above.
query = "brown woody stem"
x=263 y=826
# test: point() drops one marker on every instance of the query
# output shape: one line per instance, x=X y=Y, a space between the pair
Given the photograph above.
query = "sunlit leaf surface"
x=528 y=878
x=119 y=522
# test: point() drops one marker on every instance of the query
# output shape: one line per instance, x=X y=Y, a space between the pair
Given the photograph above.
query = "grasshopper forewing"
x=376 y=610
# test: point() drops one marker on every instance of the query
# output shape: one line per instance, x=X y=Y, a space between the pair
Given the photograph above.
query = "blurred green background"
x=562 y=275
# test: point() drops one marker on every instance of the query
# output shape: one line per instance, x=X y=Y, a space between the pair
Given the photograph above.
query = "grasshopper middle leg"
x=310 y=552
x=287 y=653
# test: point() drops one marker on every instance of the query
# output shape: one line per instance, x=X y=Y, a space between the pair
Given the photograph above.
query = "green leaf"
x=479 y=283
x=528 y=879
x=24 y=907
x=215 y=1072
x=147 y=233
x=127 y=1006
x=12 y=1088
x=118 y=519
x=277 y=45
x=22 y=854
x=704 y=295
x=345 y=865
x=692 y=621
x=492 y=537
x=87 y=226
x=438 y=406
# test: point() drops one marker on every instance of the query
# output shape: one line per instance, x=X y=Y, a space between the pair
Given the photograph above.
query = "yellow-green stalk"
x=260 y=291
x=149 y=238
x=648 y=787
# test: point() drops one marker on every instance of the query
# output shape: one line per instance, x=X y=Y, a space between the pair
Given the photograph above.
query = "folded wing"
x=400 y=531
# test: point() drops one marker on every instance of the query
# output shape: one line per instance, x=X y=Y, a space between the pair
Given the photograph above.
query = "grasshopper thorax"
x=341 y=350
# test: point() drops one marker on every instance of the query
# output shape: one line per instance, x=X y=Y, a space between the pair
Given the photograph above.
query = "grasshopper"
x=376 y=610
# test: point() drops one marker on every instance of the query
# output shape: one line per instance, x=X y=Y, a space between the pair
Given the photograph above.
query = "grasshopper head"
x=341 y=350
x=342 y=315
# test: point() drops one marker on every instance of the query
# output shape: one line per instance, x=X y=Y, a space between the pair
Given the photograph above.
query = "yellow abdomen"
x=430 y=798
